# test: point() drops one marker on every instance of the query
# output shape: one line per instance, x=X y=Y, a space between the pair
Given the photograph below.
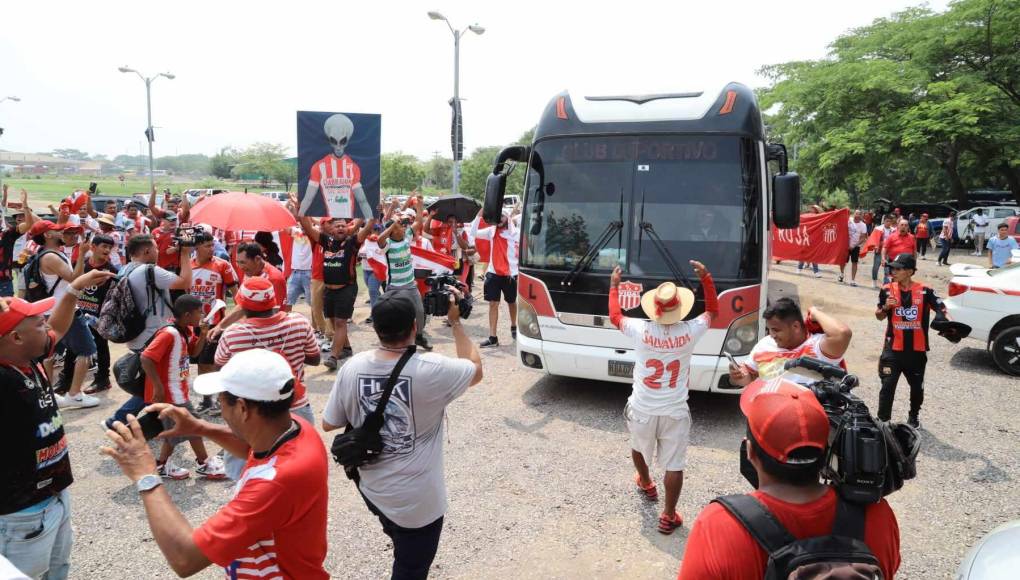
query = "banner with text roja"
x=338 y=164
x=821 y=238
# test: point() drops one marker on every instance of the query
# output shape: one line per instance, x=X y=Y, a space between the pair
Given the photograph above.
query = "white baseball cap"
x=256 y=375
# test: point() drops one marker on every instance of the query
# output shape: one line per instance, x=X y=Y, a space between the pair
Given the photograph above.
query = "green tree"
x=222 y=164
x=264 y=160
x=400 y=172
x=438 y=172
x=478 y=166
x=74 y=154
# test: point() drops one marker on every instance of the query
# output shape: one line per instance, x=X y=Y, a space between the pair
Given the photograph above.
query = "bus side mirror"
x=495 y=190
x=786 y=200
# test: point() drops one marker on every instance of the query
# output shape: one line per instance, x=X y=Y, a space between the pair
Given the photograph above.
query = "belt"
x=336 y=286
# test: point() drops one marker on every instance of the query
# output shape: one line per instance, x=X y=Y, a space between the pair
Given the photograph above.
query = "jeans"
x=979 y=243
x=7 y=288
x=876 y=265
x=922 y=246
x=947 y=245
x=373 y=285
x=235 y=465
x=814 y=267
x=411 y=292
x=102 y=362
x=414 y=549
x=300 y=282
x=134 y=406
x=39 y=544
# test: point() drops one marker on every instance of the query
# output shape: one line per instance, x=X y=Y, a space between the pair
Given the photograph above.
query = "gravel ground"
x=539 y=473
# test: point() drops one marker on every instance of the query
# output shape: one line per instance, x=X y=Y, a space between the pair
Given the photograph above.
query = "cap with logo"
x=256 y=375
x=784 y=416
x=14 y=310
x=256 y=294
x=43 y=226
x=904 y=260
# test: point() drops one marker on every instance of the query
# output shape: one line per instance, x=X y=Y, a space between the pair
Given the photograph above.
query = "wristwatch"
x=148 y=483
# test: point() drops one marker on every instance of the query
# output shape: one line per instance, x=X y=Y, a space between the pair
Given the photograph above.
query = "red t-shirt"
x=317 y=262
x=276 y=278
x=169 y=351
x=275 y=525
x=209 y=282
x=442 y=237
x=164 y=242
x=898 y=243
x=922 y=230
x=719 y=548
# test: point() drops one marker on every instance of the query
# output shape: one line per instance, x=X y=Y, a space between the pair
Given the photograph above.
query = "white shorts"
x=668 y=436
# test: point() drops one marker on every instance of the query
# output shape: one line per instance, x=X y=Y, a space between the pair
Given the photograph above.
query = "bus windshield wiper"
x=593 y=251
x=678 y=274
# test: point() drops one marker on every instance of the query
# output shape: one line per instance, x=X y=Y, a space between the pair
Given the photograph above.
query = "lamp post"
x=3 y=210
x=458 y=144
x=148 y=108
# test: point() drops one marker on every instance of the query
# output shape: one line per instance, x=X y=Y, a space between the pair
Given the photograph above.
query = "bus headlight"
x=527 y=321
x=742 y=334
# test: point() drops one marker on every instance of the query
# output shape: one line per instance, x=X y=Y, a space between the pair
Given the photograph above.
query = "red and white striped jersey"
x=502 y=256
x=336 y=177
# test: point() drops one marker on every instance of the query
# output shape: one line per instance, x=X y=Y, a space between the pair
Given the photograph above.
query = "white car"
x=996 y=214
x=989 y=302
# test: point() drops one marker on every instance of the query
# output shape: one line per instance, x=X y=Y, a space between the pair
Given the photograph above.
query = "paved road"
x=539 y=475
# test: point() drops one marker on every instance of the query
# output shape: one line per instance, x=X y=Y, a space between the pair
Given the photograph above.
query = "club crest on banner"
x=829 y=233
x=630 y=295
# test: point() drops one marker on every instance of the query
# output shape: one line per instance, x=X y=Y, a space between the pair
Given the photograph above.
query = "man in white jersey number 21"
x=657 y=415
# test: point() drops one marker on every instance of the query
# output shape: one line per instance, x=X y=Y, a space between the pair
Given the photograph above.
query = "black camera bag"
x=358 y=446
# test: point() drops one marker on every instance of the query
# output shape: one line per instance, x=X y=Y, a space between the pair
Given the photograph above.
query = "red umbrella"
x=242 y=211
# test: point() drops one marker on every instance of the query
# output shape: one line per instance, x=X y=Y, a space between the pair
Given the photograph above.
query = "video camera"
x=186 y=235
x=866 y=459
x=437 y=299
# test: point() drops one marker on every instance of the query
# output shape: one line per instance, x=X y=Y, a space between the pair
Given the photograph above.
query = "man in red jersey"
x=787 y=435
x=275 y=525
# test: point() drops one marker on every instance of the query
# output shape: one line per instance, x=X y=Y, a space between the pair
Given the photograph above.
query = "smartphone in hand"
x=151 y=425
x=733 y=361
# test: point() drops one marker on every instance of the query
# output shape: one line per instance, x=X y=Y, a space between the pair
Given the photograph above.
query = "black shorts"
x=339 y=302
x=495 y=285
x=208 y=354
x=854 y=255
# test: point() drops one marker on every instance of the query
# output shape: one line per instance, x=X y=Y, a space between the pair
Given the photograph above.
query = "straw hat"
x=105 y=218
x=667 y=304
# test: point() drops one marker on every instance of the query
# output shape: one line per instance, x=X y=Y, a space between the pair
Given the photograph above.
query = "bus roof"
x=731 y=110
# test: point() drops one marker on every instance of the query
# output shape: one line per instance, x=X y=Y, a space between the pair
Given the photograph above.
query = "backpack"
x=35 y=284
x=841 y=555
x=128 y=369
x=120 y=318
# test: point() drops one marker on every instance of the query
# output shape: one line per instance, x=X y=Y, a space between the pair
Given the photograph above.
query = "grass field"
x=49 y=189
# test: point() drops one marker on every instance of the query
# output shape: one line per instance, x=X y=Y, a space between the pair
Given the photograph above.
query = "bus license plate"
x=621 y=368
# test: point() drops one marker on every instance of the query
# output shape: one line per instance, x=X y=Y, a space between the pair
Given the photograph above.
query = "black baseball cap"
x=904 y=261
x=393 y=316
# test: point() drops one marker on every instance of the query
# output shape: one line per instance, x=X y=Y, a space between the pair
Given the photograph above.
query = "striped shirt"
x=336 y=177
x=288 y=334
x=169 y=351
x=398 y=261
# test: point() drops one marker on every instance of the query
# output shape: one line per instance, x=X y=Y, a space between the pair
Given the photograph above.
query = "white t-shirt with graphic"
x=767 y=359
x=662 y=363
x=407 y=482
x=301 y=250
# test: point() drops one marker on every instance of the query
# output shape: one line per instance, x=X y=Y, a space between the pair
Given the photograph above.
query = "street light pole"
x=455 y=103
x=148 y=112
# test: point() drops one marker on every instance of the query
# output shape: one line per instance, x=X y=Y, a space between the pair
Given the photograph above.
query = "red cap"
x=15 y=310
x=43 y=226
x=784 y=416
x=256 y=294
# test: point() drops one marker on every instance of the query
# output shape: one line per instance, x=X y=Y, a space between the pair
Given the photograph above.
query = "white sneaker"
x=171 y=471
x=818 y=274
x=81 y=401
x=213 y=468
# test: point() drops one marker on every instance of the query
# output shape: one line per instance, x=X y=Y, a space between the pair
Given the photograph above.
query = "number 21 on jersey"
x=654 y=381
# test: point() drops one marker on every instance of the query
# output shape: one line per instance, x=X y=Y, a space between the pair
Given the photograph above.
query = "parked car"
x=280 y=196
x=512 y=200
x=989 y=302
x=995 y=214
x=99 y=201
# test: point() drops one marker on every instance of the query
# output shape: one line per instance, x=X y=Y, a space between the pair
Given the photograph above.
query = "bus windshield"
x=699 y=194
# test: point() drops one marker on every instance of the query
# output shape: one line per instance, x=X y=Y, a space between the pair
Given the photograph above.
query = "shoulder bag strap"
x=849 y=521
x=155 y=294
x=374 y=420
x=758 y=521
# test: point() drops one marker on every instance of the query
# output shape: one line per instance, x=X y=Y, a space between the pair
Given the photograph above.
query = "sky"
x=244 y=68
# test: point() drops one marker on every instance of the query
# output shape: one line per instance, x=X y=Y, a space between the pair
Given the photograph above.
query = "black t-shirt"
x=7 y=240
x=339 y=259
x=92 y=298
x=34 y=453
x=909 y=314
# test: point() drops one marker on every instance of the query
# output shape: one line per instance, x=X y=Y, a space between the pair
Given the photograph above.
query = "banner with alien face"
x=338 y=163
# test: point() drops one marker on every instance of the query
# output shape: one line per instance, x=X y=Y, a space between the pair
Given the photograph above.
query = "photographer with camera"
x=791 y=510
x=340 y=243
x=395 y=243
x=907 y=305
x=404 y=485
x=791 y=336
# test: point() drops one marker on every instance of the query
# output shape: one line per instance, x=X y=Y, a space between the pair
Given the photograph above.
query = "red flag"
x=438 y=263
x=874 y=242
x=821 y=238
